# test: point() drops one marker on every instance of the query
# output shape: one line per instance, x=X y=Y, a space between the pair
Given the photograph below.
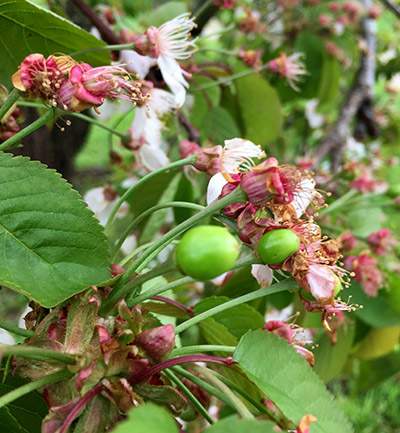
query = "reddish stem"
x=193 y=133
x=143 y=375
x=106 y=33
x=80 y=405
x=174 y=303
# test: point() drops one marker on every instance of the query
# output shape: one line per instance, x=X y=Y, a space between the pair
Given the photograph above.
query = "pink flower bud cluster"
x=73 y=86
x=251 y=23
x=382 y=241
x=9 y=126
x=224 y=4
x=336 y=52
x=251 y=58
x=366 y=272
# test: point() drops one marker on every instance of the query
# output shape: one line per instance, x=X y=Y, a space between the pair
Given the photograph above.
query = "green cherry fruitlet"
x=205 y=252
x=277 y=245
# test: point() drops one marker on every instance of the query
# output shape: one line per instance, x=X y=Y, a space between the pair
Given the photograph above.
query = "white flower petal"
x=218 y=281
x=315 y=120
x=161 y=101
x=173 y=76
x=110 y=108
x=136 y=63
x=129 y=245
x=152 y=157
x=139 y=124
x=215 y=185
x=101 y=207
x=6 y=338
x=304 y=196
x=237 y=152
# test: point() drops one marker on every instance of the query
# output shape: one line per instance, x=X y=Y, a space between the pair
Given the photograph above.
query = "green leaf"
x=374 y=371
x=185 y=192
x=146 y=419
x=165 y=309
x=311 y=46
x=240 y=283
x=378 y=342
x=8 y=423
x=330 y=358
x=204 y=100
x=21 y=35
x=289 y=381
x=51 y=246
x=164 y=12
x=362 y=226
x=261 y=109
x=215 y=333
x=150 y=192
x=237 y=320
x=156 y=219
x=28 y=411
x=313 y=49
x=234 y=425
x=162 y=394
x=218 y=124
x=377 y=311
x=330 y=78
x=230 y=102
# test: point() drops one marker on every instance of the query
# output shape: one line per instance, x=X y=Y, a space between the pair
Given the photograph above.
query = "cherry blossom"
x=290 y=67
x=167 y=45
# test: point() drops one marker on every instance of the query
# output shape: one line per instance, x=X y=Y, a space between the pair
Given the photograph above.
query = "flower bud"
x=188 y=148
x=116 y=270
x=206 y=159
x=158 y=342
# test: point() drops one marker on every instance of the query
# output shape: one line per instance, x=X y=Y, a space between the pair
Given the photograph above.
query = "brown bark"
x=361 y=91
x=53 y=147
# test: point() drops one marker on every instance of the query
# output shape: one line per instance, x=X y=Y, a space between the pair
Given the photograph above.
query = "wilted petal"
x=263 y=274
x=305 y=422
x=322 y=282
x=307 y=354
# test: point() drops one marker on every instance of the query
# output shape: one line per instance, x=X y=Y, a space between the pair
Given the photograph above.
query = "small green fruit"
x=205 y=252
x=277 y=245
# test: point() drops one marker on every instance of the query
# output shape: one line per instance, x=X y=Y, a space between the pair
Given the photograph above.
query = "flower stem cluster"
x=114 y=364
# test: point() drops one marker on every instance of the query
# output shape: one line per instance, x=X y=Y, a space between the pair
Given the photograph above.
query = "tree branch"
x=361 y=90
x=106 y=33
x=392 y=7
x=193 y=133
